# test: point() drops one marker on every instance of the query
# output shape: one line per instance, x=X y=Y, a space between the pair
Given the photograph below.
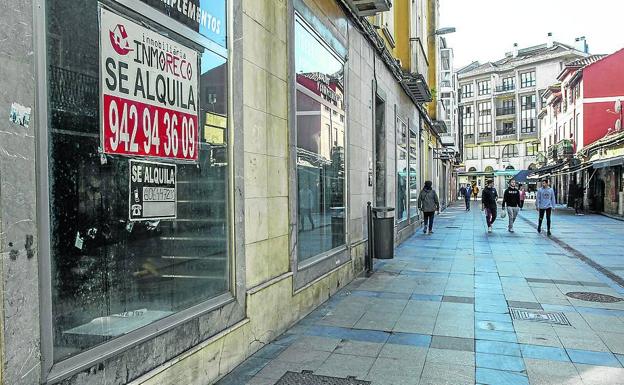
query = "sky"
x=486 y=29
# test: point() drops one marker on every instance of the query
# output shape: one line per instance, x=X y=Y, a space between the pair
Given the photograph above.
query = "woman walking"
x=522 y=196
x=428 y=203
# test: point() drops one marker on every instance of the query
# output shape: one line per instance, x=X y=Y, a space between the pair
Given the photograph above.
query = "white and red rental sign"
x=149 y=83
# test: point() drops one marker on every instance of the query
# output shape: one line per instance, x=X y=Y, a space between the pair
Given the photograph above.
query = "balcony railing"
x=73 y=92
x=506 y=131
x=506 y=88
x=506 y=111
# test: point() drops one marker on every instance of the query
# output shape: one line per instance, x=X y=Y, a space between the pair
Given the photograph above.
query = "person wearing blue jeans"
x=545 y=203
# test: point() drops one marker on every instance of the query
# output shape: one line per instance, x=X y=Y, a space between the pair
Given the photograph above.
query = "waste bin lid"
x=383 y=209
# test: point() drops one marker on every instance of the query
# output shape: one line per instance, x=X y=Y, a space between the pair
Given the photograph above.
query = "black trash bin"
x=383 y=232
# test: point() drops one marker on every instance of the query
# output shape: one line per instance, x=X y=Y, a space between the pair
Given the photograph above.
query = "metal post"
x=369 y=256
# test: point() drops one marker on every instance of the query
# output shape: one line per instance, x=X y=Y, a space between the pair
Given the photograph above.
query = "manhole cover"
x=539 y=316
x=307 y=378
x=593 y=297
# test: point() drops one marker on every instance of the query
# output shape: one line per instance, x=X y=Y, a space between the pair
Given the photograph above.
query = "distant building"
x=582 y=133
x=498 y=107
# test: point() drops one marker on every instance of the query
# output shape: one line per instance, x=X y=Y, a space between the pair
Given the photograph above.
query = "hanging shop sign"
x=204 y=16
x=148 y=83
x=153 y=192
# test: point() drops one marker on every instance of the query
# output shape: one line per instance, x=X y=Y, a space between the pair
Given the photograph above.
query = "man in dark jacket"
x=489 y=196
x=511 y=199
x=428 y=203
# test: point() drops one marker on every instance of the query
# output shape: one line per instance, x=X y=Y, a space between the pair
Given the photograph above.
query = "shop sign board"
x=153 y=191
x=149 y=84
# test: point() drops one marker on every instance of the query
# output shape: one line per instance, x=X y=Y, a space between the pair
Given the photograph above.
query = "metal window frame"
x=55 y=372
x=308 y=270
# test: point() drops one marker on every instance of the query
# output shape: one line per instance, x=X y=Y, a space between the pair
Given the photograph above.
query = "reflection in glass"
x=111 y=276
x=320 y=145
x=413 y=175
x=402 y=172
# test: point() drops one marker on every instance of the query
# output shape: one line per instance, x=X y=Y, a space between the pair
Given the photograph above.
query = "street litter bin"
x=383 y=232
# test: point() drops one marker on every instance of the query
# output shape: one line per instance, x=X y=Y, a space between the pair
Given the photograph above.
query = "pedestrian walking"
x=578 y=199
x=475 y=191
x=462 y=191
x=511 y=202
x=467 y=195
x=522 y=197
x=428 y=203
x=545 y=203
x=489 y=197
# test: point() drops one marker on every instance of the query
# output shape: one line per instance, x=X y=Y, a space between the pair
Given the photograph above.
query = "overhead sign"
x=153 y=191
x=149 y=89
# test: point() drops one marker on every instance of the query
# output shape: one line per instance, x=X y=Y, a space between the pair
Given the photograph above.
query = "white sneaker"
x=490 y=229
x=511 y=230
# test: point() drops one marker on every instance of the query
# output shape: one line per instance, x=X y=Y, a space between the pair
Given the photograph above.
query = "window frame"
x=484 y=117
x=485 y=90
x=527 y=79
x=468 y=119
x=528 y=114
x=234 y=297
x=491 y=152
x=467 y=90
x=505 y=153
x=531 y=149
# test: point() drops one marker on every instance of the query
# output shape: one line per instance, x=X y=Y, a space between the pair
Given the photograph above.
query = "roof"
x=579 y=64
x=509 y=61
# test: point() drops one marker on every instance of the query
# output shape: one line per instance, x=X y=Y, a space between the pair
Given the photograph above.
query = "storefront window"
x=413 y=175
x=402 y=171
x=320 y=145
x=138 y=195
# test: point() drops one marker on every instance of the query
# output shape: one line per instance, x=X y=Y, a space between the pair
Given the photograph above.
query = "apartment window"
x=509 y=83
x=121 y=257
x=510 y=151
x=528 y=118
x=489 y=152
x=508 y=107
x=472 y=153
x=484 y=87
x=468 y=120
x=467 y=90
x=320 y=145
x=485 y=117
x=527 y=79
x=532 y=149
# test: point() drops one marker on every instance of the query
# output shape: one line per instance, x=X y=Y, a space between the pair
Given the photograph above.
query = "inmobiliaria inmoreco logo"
x=119 y=40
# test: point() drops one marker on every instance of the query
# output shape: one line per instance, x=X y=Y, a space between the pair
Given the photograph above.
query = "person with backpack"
x=511 y=200
x=545 y=203
x=428 y=203
x=489 y=197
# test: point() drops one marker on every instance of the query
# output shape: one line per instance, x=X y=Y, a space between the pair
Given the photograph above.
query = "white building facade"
x=499 y=104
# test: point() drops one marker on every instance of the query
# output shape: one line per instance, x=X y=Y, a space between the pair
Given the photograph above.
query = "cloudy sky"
x=486 y=29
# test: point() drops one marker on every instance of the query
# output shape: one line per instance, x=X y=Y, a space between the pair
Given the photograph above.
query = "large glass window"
x=467 y=90
x=510 y=151
x=484 y=87
x=528 y=112
x=472 y=153
x=320 y=145
x=485 y=118
x=527 y=79
x=489 y=152
x=468 y=120
x=413 y=175
x=113 y=271
x=402 y=171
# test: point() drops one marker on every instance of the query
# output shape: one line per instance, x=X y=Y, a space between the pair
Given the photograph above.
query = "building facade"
x=582 y=133
x=499 y=104
x=184 y=180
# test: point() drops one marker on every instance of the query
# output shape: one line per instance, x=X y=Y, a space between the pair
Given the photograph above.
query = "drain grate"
x=555 y=318
x=593 y=297
x=307 y=378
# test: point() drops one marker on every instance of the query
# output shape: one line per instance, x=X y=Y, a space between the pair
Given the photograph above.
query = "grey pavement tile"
x=384 y=366
x=303 y=355
x=316 y=343
x=276 y=368
x=588 y=340
x=543 y=372
x=270 y=351
x=455 y=299
x=495 y=325
x=498 y=347
x=614 y=341
x=600 y=375
x=452 y=343
x=539 y=339
x=359 y=348
x=403 y=352
x=341 y=365
x=493 y=376
x=454 y=328
x=525 y=305
x=392 y=380
x=257 y=380
x=544 y=353
x=447 y=374
x=593 y=358
x=456 y=357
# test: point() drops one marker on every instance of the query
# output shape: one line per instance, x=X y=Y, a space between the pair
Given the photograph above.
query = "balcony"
x=505 y=89
x=468 y=137
x=504 y=111
x=506 y=131
x=485 y=137
x=552 y=152
x=565 y=149
x=369 y=7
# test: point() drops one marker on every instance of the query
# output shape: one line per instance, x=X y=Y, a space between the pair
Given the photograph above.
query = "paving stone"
x=403 y=351
x=539 y=339
x=342 y=365
x=452 y=343
x=593 y=358
x=447 y=374
x=525 y=305
x=384 y=366
x=450 y=298
x=544 y=353
x=499 y=362
x=455 y=356
x=497 y=347
x=600 y=375
x=495 y=377
x=359 y=348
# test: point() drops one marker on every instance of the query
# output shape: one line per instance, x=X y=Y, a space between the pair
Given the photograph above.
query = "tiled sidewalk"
x=439 y=314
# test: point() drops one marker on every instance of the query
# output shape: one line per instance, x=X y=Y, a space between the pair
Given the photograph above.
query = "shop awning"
x=602 y=163
x=523 y=176
x=546 y=170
